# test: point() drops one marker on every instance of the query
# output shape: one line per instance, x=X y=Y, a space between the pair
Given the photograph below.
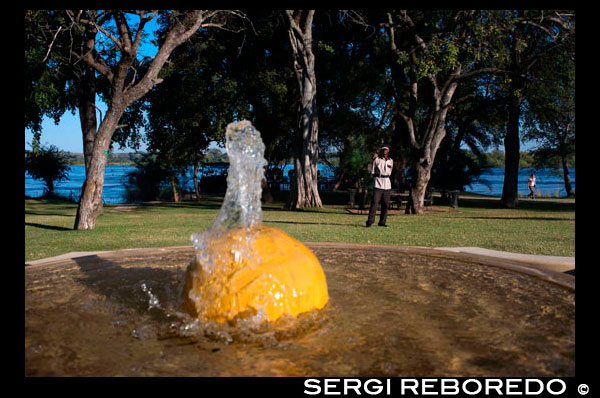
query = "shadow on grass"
x=181 y=205
x=37 y=213
x=328 y=209
x=524 y=204
x=522 y=218
x=52 y=227
x=216 y=203
x=312 y=223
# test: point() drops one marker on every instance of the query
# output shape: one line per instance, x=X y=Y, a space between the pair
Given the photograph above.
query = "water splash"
x=153 y=301
x=241 y=206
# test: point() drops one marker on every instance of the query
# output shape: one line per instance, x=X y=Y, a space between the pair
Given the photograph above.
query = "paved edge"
x=559 y=270
x=551 y=263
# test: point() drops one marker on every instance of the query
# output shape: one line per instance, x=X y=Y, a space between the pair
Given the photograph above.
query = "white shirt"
x=380 y=169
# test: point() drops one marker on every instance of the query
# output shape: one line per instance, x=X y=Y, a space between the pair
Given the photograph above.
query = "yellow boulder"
x=281 y=276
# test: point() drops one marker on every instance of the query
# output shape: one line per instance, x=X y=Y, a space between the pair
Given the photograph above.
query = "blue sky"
x=67 y=134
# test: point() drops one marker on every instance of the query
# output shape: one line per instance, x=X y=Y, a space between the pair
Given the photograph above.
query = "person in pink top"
x=381 y=168
x=531 y=186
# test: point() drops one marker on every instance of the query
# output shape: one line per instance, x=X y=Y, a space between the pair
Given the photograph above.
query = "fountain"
x=244 y=270
x=236 y=310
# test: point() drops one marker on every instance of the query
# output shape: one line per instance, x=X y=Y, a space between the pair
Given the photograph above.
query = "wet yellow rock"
x=281 y=277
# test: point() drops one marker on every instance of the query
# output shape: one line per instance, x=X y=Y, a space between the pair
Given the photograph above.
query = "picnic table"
x=399 y=199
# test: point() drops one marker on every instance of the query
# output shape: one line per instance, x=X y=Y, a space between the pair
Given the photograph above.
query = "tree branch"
x=491 y=70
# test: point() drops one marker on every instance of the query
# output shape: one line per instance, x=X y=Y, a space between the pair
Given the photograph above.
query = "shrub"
x=48 y=164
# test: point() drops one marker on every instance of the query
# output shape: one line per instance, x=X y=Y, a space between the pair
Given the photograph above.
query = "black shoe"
x=382 y=225
x=368 y=225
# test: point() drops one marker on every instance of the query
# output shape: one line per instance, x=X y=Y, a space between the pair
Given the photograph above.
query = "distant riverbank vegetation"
x=212 y=155
x=494 y=159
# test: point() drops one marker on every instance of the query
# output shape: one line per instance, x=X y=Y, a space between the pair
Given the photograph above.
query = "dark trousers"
x=383 y=196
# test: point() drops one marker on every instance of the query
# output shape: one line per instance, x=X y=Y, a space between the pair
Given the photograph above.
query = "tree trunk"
x=421 y=179
x=512 y=142
x=90 y=201
x=434 y=135
x=91 y=193
x=174 y=187
x=85 y=89
x=86 y=103
x=196 y=181
x=338 y=182
x=306 y=190
x=566 y=176
x=512 y=145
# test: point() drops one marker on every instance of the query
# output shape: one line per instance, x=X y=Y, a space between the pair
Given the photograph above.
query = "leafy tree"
x=533 y=34
x=266 y=84
x=47 y=164
x=356 y=102
x=192 y=106
x=475 y=123
x=110 y=44
x=430 y=53
x=145 y=182
x=550 y=116
x=54 y=81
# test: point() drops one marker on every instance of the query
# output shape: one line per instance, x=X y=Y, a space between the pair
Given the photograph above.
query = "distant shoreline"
x=494 y=159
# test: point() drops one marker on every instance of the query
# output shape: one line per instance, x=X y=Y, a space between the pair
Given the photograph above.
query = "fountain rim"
x=535 y=268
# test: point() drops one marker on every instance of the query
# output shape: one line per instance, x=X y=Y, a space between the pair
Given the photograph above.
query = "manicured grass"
x=540 y=226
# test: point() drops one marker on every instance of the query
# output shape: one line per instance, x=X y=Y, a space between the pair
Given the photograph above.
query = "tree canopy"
x=430 y=83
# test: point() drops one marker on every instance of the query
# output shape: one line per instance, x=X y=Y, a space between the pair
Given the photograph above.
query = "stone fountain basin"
x=393 y=311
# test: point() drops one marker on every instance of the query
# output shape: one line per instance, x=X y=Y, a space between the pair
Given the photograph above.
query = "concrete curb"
x=550 y=263
x=556 y=269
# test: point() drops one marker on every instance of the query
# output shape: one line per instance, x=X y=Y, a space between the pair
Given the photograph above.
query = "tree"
x=550 y=111
x=533 y=34
x=356 y=101
x=430 y=53
x=116 y=58
x=47 y=164
x=179 y=131
x=474 y=123
x=305 y=192
x=54 y=81
x=145 y=182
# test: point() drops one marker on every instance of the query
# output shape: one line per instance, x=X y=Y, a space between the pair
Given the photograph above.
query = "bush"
x=145 y=182
x=47 y=164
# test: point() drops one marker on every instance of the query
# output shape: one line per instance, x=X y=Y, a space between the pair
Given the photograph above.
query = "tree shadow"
x=126 y=285
x=312 y=223
x=532 y=204
x=52 y=227
x=522 y=218
x=183 y=205
x=37 y=213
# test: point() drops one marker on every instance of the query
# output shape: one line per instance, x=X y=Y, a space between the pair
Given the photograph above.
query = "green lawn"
x=540 y=226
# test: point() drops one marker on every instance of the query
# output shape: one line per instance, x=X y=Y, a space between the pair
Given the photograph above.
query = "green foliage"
x=47 y=164
x=48 y=92
x=145 y=182
x=550 y=117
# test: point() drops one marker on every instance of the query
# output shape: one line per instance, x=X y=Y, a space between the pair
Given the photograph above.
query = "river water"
x=115 y=178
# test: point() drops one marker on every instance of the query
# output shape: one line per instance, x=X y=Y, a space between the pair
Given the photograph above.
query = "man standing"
x=381 y=170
